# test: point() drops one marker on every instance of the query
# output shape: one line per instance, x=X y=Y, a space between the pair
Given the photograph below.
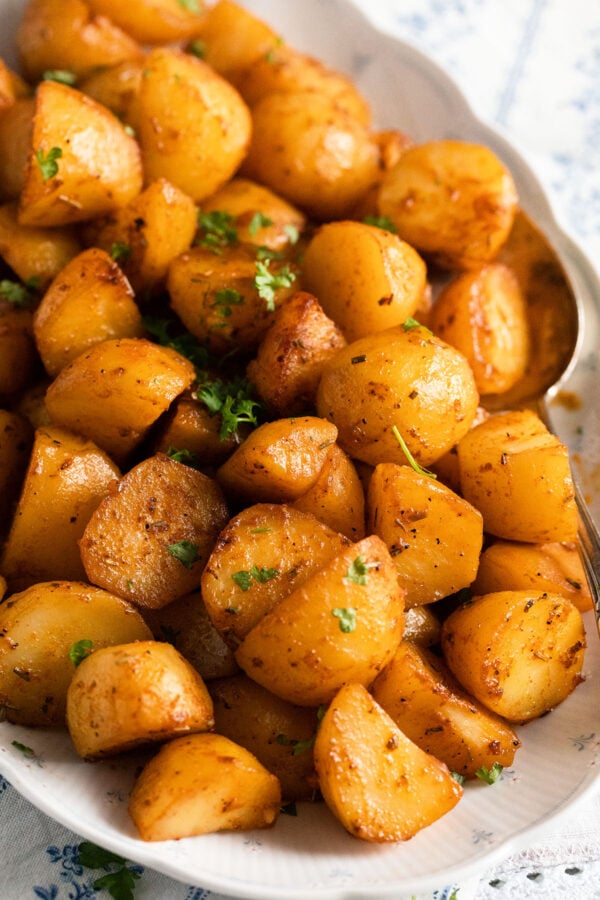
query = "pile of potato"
x=361 y=584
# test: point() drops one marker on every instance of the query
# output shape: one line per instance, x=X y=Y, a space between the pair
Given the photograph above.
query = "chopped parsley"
x=245 y=577
x=232 y=401
x=185 y=551
x=63 y=76
x=490 y=776
x=458 y=777
x=186 y=457
x=257 y=222
x=24 y=749
x=410 y=323
x=80 y=650
x=18 y=293
x=191 y=6
x=298 y=746
x=347 y=618
x=292 y=232
x=358 y=570
x=381 y=222
x=48 y=163
x=411 y=460
x=267 y=282
x=224 y=301
x=197 y=48
x=216 y=230
x=186 y=343
x=120 y=252
x=120 y=882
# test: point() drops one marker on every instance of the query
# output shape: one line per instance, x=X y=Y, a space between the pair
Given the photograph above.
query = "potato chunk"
x=201 y=784
x=380 y=785
x=35 y=253
x=132 y=694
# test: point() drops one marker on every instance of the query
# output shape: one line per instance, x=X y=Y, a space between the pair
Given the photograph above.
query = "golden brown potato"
x=261 y=556
x=192 y=125
x=405 y=378
x=482 y=313
x=517 y=475
x=520 y=653
x=232 y=37
x=150 y=538
x=151 y=21
x=185 y=623
x=365 y=278
x=16 y=127
x=344 y=624
x=279 y=734
x=64 y=34
x=428 y=706
x=380 y=785
x=279 y=461
x=66 y=479
x=189 y=428
x=337 y=497
x=19 y=361
x=114 y=86
x=200 y=784
x=39 y=627
x=228 y=300
x=311 y=152
x=32 y=404
x=292 y=354
x=434 y=536
x=422 y=626
x=131 y=694
x=16 y=438
x=36 y=255
x=452 y=200
x=7 y=87
x=554 y=567
x=88 y=302
x=260 y=217
x=116 y=390
x=147 y=234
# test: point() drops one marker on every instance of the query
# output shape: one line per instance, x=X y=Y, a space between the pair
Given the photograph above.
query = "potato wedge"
x=131 y=694
x=66 y=479
x=150 y=538
x=380 y=785
x=88 y=302
x=38 y=628
x=261 y=556
x=520 y=653
x=344 y=624
x=337 y=498
x=201 y=784
x=116 y=390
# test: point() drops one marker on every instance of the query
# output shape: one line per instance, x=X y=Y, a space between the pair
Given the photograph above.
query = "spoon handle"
x=589 y=542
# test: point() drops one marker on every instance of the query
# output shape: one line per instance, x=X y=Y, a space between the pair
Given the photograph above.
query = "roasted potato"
x=151 y=21
x=35 y=254
x=337 y=497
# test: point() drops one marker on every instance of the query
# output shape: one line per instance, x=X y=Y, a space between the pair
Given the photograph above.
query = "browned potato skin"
x=279 y=461
x=91 y=180
x=393 y=378
x=270 y=536
x=517 y=474
x=242 y=199
x=38 y=628
x=233 y=38
x=425 y=702
x=150 y=21
x=185 y=623
x=116 y=390
x=554 y=567
x=271 y=729
x=16 y=128
x=300 y=651
x=188 y=425
x=422 y=626
x=520 y=653
x=337 y=497
x=31 y=404
x=380 y=785
x=155 y=227
x=16 y=438
x=482 y=313
x=158 y=503
x=292 y=354
x=55 y=34
x=201 y=784
x=132 y=694
x=434 y=536
x=292 y=153
x=193 y=127
x=31 y=252
x=66 y=479
x=365 y=278
x=19 y=361
x=195 y=281
x=88 y=302
x=452 y=200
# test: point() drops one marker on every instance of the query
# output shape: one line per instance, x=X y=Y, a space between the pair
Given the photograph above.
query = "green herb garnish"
x=80 y=650
x=48 y=163
x=490 y=776
x=381 y=222
x=232 y=401
x=358 y=570
x=120 y=252
x=245 y=577
x=267 y=282
x=120 y=882
x=185 y=551
x=63 y=76
x=216 y=230
x=411 y=460
x=347 y=618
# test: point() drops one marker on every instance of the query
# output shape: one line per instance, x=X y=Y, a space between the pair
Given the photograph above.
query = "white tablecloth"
x=533 y=68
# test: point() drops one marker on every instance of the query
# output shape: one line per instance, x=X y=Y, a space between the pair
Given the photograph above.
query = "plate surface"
x=311 y=855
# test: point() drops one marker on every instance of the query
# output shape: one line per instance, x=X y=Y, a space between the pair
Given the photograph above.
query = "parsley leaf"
x=257 y=222
x=216 y=230
x=79 y=650
x=224 y=300
x=458 y=777
x=94 y=857
x=119 y=884
x=63 y=76
x=186 y=343
x=347 y=618
x=411 y=460
x=20 y=295
x=245 y=577
x=298 y=746
x=381 y=222
x=490 y=776
x=232 y=400
x=197 y=48
x=186 y=552
x=185 y=457
x=120 y=252
x=48 y=164
x=24 y=749
x=358 y=569
x=292 y=232
x=190 y=6
x=267 y=282
x=410 y=323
